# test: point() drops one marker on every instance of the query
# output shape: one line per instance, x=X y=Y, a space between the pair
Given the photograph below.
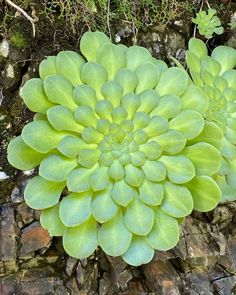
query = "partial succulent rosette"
x=116 y=133
x=216 y=76
x=208 y=23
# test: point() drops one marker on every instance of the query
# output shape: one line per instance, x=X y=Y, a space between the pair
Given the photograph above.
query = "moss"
x=18 y=40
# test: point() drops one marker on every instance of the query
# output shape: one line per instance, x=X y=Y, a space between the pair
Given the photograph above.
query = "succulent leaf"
x=81 y=241
x=42 y=194
x=50 y=220
x=139 y=252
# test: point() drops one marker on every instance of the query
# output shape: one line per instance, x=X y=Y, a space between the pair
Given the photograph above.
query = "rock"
x=41 y=281
x=4 y=49
x=8 y=235
x=3 y=175
x=8 y=285
x=80 y=275
x=105 y=285
x=70 y=266
x=162 y=277
x=123 y=279
x=224 y=285
x=198 y=284
x=26 y=213
x=33 y=238
x=164 y=44
x=16 y=197
x=11 y=75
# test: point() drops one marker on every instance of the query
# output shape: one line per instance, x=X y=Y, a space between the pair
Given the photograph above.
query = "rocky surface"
x=31 y=262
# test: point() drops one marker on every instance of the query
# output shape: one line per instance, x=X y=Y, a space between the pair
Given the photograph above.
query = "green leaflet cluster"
x=123 y=149
x=208 y=23
x=216 y=76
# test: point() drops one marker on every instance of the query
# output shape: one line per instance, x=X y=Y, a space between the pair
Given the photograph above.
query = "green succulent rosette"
x=216 y=76
x=118 y=132
x=208 y=23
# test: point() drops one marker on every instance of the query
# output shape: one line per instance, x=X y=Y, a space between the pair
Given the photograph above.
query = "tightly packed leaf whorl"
x=122 y=133
x=216 y=75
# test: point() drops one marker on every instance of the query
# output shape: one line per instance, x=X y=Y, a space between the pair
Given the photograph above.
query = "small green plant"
x=125 y=135
x=208 y=23
x=216 y=76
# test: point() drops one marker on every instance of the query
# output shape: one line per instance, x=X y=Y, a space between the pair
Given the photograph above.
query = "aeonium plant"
x=119 y=132
x=216 y=76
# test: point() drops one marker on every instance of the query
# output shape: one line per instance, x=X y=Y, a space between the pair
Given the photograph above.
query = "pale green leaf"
x=122 y=193
x=61 y=118
x=148 y=101
x=151 y=149
x=138 y=158
x=231 y=176
x=89 y=157
x=47 y=67
x=40 y=136
x=139 y=217
x=56 y=168
x=165 y=232
x=127 y=79
x=59 y=90
x=91 y=42
x=190 y=123
x=81 y=241
x=211 y=134
x=116 y=170
x=104 y=109
x=139 y=252
x=148 y=76
x=84 y=95
x=171 y=142
x=198 y=47
x=68 y=65
x=179 y=168
x=227 y=192
x=94 y=75
x=133 y=175
x=154 y=170
x=226 y=56
x=130 y=102
x=151 y=193
x=169 y=106
x=50 y=220
x=41 y=194
x=193 y=61
x=210 y=65
x=99 y=180
x=34 y=96
x=75 y=209
x=103 y=208
x=70 y=146
x=91 y=135
x=195 y=98
x=205 y=157
x=173 y=81
x=137 y=55
x=112 y=92
x=205 y=192
x=78 y=180
x=178 y=201
x=157 y=126
x=21 y=156
x=113 y=236
x=112 y=58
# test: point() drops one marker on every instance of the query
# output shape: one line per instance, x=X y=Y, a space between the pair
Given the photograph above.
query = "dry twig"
x=19 y=9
